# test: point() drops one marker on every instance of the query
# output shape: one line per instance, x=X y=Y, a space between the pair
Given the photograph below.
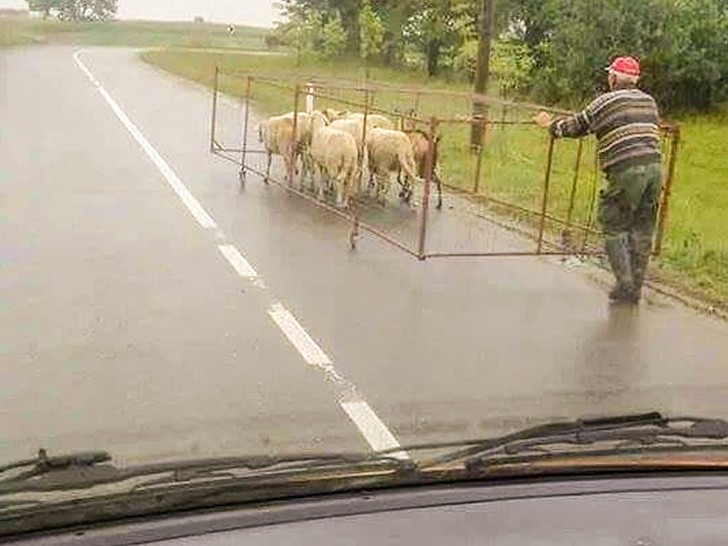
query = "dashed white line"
x=376 y=433
x=304 y=344
x=192 y=204
x=239 y=263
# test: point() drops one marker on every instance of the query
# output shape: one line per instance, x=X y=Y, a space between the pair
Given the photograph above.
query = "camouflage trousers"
x=627 y=212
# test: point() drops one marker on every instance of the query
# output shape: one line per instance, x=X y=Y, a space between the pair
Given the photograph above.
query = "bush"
x=683 y=46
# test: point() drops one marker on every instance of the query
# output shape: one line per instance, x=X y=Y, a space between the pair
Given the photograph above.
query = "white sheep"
x=374 y=121
x=390 y=151
x=276 y=134
x=354 y=125
x=336 y=155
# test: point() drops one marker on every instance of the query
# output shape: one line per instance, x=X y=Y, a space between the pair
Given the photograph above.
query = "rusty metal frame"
x=541 y=218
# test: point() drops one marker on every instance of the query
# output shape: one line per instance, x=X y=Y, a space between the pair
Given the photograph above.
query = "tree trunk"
x=432 y=52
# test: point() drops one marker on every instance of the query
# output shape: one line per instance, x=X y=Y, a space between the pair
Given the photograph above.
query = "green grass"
x=695 y=247
x=128 y=33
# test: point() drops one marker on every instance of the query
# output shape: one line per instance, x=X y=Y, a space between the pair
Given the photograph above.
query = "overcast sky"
x=251 y=12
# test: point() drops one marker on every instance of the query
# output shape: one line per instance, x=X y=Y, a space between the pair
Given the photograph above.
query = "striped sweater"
x=625 y=122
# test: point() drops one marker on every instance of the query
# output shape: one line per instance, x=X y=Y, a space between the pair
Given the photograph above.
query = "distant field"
x=695 y=253
x=129 y=33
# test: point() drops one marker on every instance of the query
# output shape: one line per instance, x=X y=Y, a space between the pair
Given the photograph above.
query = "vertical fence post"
x=592 y=204
x=360 y=161
x=246 y=121
x=429 y=167
x=309 y=97
x=575 y=181
x=215 y=91
x=478 y=167
x=667 y=191
x=545 y=200
x=293 y=152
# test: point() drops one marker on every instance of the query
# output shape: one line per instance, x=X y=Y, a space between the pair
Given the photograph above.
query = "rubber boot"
x=640 y=250
x=618 y=252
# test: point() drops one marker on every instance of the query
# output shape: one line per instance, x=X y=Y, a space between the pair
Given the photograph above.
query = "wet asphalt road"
x=122 y=327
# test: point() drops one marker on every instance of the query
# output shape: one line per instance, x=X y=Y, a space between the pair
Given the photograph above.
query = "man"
x=626 y=123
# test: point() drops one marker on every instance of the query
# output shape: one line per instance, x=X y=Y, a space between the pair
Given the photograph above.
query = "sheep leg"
x=267 y=169
x=322 y=182
x=382 y=188
x=340 y=183
x=439 y=190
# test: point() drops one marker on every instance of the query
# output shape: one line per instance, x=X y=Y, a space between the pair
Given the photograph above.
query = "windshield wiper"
x=43 y=463
x=86 y=470
x=618 y=433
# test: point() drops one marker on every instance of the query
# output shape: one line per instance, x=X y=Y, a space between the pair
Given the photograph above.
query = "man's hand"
x=543 y=119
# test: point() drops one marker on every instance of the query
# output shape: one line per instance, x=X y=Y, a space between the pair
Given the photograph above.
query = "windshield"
x=305 y=230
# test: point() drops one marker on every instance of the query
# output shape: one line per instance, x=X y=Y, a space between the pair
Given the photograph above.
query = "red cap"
x=629 y=66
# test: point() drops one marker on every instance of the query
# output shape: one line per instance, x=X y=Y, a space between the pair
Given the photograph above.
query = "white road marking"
x=239 y=263
x=375 y=432
x=192 y=204
x=304 y=344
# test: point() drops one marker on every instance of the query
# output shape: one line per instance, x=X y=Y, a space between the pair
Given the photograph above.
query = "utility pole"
x=485 y=35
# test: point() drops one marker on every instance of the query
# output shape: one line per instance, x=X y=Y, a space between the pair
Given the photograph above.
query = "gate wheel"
x=242 y=177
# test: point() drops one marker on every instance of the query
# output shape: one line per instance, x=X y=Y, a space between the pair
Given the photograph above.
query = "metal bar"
x=372 y=109
x=215 y=91
x=478 y=167
x=392 y=88
x=239 y=150
x=293 y=152
x=360 y=174
x=246 y=101
x=508 y=254
x=667 y=192
x=227 y=157
x=519 y=208
x=592 y=203
x=429 y=166
x=546 y=186
x=363 y=225
x=572 y=195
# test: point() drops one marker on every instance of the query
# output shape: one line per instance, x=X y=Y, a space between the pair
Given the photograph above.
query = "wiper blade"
x=43 y=463
x=88 y=473
x=647 y=429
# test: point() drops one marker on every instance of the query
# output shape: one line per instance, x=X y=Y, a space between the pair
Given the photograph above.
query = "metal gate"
x=517 y=193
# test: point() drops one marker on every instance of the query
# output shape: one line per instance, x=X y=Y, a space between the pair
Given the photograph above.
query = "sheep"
x=276 y=134
x=335 y=154
x=333 y=115
x=389 y=150
x=421 y=145
x=374 y=121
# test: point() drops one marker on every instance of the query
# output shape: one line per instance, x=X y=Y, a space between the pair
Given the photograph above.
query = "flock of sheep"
x=334 y=150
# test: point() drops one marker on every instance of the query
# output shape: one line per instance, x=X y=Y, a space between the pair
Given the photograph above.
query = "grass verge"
x=128 y=33
x=695 y=251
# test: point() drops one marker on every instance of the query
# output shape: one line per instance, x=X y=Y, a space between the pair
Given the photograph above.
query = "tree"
x=333 y=37
x=682 y=45
x=371 y=32
x=510 y=63
x=88 y=10
x=44 y=6
x=439 y=28
x=347 y=12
